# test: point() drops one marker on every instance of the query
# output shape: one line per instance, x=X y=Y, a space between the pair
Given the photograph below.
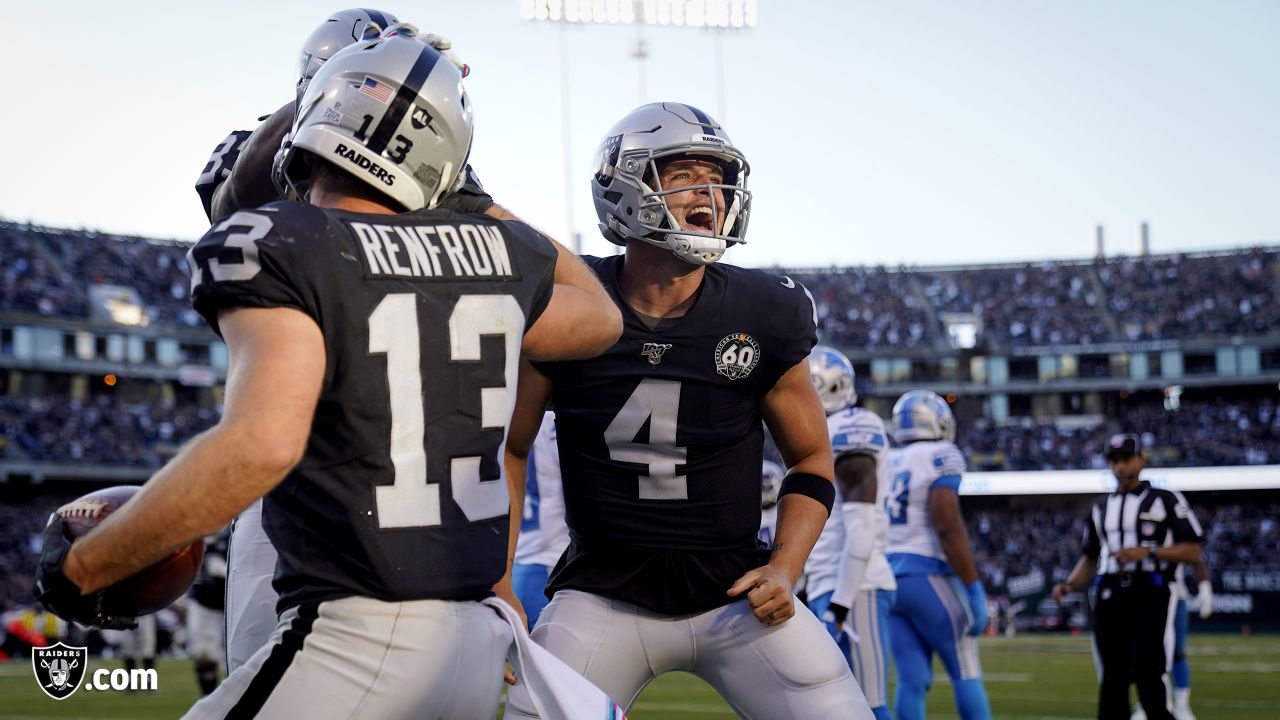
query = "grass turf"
x=1045 y=677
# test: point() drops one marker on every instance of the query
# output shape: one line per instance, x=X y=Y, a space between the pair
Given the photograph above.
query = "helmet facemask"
x=642 y=170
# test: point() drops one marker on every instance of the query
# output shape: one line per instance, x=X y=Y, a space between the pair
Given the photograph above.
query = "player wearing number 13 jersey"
x=661 y=445
x=372 y=344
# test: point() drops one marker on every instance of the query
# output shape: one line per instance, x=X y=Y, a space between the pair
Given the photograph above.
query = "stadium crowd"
x=1017 y=541
x=1202 y=433
x=47 y=271
x=1210 y=432
x=100 y=430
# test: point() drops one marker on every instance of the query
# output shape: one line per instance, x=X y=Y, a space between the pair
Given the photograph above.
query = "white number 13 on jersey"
x=657 y=401
x=411 y=501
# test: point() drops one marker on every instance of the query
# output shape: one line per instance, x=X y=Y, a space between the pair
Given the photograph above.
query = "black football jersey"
x=661 y=440
x=400 y=494
x=469 y=197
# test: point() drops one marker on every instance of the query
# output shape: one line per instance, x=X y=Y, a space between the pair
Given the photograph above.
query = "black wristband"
x=814 y=486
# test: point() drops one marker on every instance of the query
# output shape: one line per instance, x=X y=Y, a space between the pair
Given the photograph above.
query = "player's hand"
x=833 y=617
x=1204 y=593
x=444 y=46
x=768 y=592
x=507 y=594
x=1133 y=554
x=1060 y=591
x=60 y=595
x=978 y=605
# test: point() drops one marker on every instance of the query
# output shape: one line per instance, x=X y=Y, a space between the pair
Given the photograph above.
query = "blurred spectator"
x=1204 y=432
x=1173 y=296
x=868 y=308
x=101 y=430
x=1050 y=303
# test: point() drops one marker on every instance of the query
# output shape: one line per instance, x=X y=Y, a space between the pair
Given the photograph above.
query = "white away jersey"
x=854 y=431
x=543 y=533
x=914 y=470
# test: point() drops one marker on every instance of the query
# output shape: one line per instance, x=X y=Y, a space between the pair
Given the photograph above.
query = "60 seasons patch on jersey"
x=737 y=355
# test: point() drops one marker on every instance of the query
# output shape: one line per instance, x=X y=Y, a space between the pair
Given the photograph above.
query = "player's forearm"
x=1183 y=552
x=1082 y=574
x=576 y=324
x=800 y=522
x=516 y=468
x=211 y=480
x=250 y=183
x=1202 y=570
x=955 y=545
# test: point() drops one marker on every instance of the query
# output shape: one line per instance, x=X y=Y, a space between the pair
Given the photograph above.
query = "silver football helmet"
x=630 y=200
x=833 y=377
x=391 y=112
x=771 y=474
x=923 y=415
x=340 y=30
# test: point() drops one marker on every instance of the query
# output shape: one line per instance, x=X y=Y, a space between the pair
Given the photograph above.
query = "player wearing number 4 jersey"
x=661 y=445
x=373 y=344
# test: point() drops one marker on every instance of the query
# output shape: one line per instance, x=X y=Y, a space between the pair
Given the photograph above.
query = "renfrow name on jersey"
x=434 y=251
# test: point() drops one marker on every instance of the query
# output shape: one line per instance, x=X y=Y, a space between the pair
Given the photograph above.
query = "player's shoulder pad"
x=857 y=430
x=782 y=299
x=947 y=459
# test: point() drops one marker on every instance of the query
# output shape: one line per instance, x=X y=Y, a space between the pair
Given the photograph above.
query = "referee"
x=1135 y=539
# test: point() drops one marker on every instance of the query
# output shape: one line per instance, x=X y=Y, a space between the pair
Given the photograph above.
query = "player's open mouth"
x=700 y=218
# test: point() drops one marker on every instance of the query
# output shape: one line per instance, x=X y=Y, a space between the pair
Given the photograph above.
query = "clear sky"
x=912 y=131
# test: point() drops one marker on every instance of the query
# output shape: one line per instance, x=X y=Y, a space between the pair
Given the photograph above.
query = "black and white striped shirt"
x=1145 y=516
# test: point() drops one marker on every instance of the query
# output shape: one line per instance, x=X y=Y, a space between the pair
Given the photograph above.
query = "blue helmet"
x=922 y=415
x=832 y=376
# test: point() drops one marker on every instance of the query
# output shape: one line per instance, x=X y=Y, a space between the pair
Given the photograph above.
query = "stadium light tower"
x=719 y=16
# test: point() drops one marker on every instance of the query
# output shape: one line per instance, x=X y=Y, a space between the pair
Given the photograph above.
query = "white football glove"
x=1204 y=593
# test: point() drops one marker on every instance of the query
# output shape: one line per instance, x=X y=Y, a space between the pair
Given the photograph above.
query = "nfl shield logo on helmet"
x=59 y=669
x=737 y=355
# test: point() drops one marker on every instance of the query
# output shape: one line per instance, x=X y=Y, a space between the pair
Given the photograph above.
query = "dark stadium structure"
x=105 y=371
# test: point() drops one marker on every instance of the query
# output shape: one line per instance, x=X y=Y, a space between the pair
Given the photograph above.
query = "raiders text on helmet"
x=630 y=200
x=391 y=112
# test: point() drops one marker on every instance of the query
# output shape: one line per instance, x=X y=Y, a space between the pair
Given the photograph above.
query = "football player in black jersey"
x=661 y=442
x=373 y=345
x=238 y=176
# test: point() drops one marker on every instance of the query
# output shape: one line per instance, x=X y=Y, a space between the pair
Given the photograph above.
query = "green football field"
x=1031 y=676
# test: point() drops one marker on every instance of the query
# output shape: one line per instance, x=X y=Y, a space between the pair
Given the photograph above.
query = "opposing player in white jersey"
x=849 y=581
x=941 y=606
x=543 y=532
x=771 y=474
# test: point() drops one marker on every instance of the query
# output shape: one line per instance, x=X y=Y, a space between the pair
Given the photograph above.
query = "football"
x=155 y=587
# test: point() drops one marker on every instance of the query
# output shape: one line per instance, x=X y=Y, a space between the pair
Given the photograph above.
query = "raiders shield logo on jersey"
x=59 y=669
x=737 y=355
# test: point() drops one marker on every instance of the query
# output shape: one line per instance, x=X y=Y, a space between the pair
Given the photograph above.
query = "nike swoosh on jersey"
x=787 y=283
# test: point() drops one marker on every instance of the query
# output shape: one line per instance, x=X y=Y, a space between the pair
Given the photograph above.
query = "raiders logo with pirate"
x=59 y=669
